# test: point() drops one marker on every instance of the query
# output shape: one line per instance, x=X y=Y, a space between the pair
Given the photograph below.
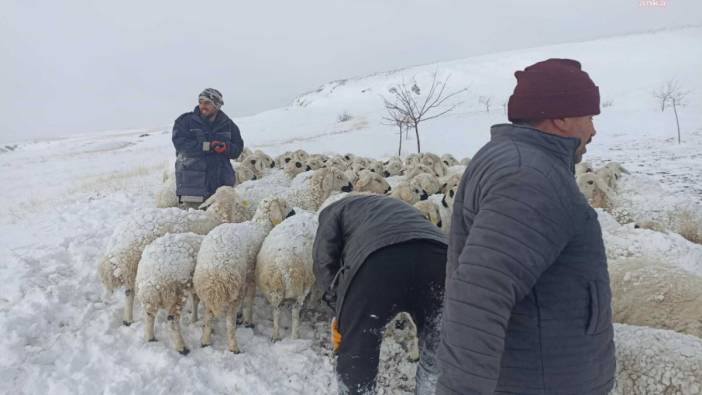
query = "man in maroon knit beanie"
x=527 y=307
x=557 y=97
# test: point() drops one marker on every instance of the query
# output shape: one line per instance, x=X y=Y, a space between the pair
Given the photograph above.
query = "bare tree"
x=485 y=101
x=672 y=95
x=394 y=118
x=408 y=106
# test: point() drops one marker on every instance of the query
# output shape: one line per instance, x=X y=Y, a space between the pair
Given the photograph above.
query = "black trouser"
x=407 y=277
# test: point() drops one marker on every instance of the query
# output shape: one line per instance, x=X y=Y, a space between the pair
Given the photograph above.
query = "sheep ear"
x=207 y=203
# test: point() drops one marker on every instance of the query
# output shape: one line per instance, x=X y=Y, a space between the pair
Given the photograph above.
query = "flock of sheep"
x=258 y=236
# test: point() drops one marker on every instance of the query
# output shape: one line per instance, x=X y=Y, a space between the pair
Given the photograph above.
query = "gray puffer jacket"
x=527 y=307
x=353 y=228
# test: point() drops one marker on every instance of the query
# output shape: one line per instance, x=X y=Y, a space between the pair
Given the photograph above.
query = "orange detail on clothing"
x=335 y=335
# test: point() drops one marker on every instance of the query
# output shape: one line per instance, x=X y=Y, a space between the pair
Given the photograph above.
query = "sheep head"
x=226 y=205
x=404 y=192
x=595 y=189
x=295 y=167
x=392 y=168
x=449 y=160
x=429 y=211
x=271 y=211
x=427 y=182
x=371 y=182
x=327 y=180
x=450 y=197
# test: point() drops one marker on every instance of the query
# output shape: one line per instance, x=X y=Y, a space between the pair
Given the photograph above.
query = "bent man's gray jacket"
x=527 y=307
x=353 y=228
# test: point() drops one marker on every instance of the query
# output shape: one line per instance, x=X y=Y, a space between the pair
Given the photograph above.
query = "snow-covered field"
x=63 y=197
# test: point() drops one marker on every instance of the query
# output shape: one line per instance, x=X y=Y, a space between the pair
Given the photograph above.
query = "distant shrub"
x=344 y=116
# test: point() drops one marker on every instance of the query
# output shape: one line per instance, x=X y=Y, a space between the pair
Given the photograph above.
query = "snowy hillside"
x=64 y=197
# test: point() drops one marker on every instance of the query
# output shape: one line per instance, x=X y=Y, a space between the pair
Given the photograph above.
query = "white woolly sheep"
x=283 y=158
x=411 y=160
x=121 y=260
x=649 y=293
x=392 y=167
x=308 y=190
x=336 y=162
x=427 y=182
x=433 y=162
x=449 y=160
x=457 y=170
x=376 y=167
x=430 y=211
x=408 y=194
x=295 y=167
x=315 y=162
x=359 y=160
x=371 y=182
x=256 y=164
x=595 y=189
x=352 y=173
x=164 y=279
x=166 y=195
x=449 y=181
x=655 y=361
x=284 y=267
x=465 y=161
x=611 y=173
x=225 y=271
x=680 y=213
x=244 y=153
x=404 y=331
x=243 y=173
x=444 y=203
x=583 y=167
x=416 y=169
x=266 y=159
x=276 y=183
x=301 y=154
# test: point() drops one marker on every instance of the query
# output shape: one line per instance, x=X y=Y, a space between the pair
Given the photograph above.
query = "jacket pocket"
x=594 y=309
x=191 y=176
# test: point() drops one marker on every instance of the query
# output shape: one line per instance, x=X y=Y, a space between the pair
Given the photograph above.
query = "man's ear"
x=561 y=124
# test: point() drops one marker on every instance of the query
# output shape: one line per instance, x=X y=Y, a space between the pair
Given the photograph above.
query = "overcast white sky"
x=79 y=66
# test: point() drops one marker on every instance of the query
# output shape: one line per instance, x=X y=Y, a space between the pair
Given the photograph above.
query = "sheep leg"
x=149 y=326
x=248 y=303
x=413 y=341
x=207 y=329
x=231 y=327
x=276 y=323
x=196 y=302
x=295 y=331
x=174 y=321
x=128 y=307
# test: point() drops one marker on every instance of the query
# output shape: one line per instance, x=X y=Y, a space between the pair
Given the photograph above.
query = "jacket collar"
x=560 y=147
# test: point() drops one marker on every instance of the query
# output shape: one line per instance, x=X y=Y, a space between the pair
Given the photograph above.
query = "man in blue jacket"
x=205 y=140
x=527 y=307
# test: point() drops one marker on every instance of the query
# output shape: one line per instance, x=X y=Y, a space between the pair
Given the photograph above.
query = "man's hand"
x=335 y=335
x=219 y=147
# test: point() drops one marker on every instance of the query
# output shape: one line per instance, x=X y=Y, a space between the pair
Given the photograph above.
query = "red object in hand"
x=219 y=147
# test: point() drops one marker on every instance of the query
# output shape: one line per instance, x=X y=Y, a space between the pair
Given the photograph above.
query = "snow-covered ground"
x=63 y=198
